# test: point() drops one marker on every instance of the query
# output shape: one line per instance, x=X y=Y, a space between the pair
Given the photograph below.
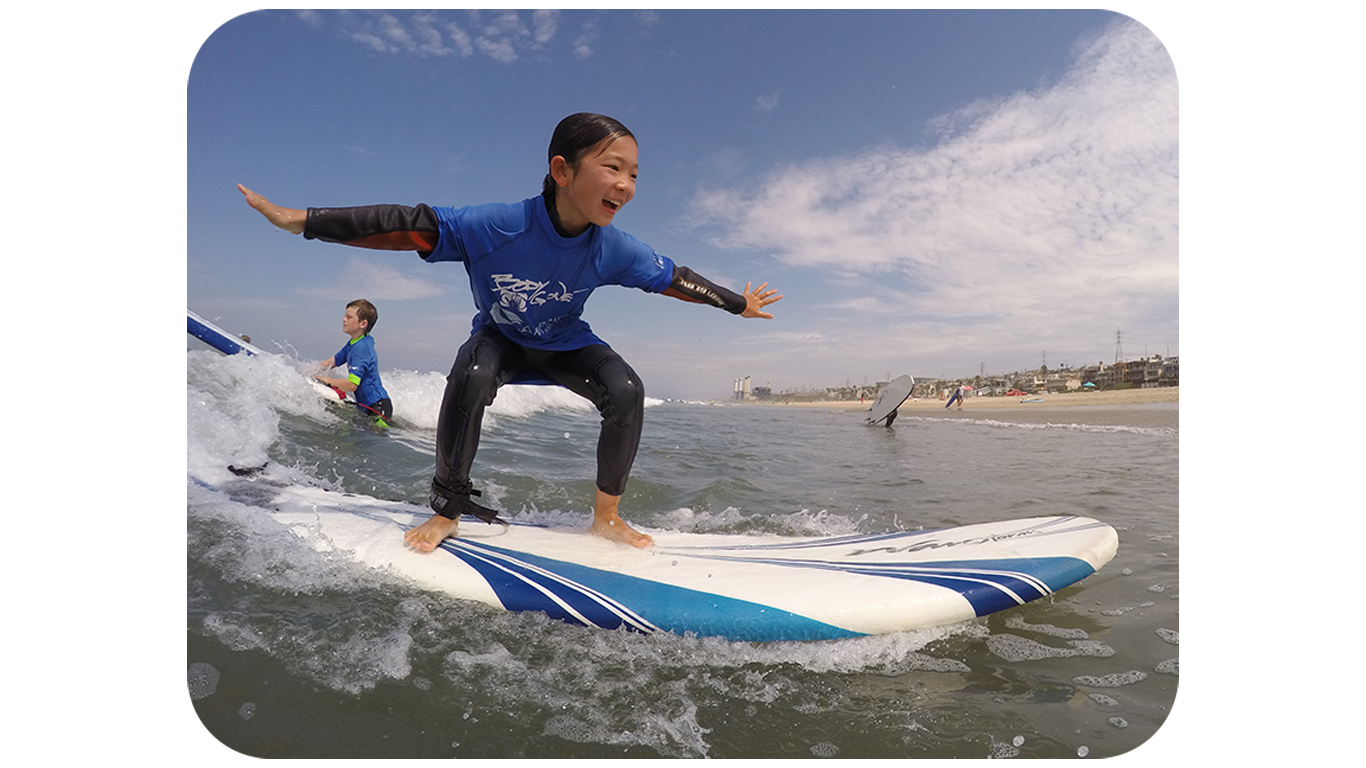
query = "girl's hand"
x=291 y=220
x=756 y=300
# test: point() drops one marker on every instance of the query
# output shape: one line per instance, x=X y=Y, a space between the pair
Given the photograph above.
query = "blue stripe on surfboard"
x=521 y=586
x=588 y=596
x=987 y=585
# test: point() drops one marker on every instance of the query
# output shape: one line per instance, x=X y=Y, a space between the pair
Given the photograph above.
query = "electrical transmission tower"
x=1119 y=348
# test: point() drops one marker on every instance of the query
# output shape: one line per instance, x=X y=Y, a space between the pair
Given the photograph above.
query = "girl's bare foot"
x=427 y=536
x=618 y=530
x=609 y=525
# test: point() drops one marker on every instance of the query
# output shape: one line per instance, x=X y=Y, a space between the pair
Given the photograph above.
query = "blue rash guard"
x=531 y=283
x=362 y=369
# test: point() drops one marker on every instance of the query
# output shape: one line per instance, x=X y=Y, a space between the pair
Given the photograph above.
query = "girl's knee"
x=624 y=401
x=474 y=377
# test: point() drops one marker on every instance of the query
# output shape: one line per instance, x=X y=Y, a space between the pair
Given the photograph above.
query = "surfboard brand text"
x=941 y=544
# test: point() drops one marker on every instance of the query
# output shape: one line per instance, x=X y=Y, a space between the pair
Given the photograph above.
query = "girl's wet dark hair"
x=577 y=134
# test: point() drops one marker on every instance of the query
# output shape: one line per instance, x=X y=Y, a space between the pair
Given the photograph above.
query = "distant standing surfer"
x=532 y=265
x=957 y=396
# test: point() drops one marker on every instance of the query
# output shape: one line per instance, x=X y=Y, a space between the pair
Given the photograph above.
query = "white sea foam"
x=1114 y=680
x=1016 y=648
x=1055 y=426
x=203 y=679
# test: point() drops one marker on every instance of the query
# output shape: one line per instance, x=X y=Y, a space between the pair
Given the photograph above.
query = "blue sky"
x=934 y=193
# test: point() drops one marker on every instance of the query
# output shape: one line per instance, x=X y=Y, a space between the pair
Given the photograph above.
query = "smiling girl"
x=532 y=266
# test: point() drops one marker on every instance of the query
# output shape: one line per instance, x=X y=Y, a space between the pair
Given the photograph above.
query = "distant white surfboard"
x=890 y=399
x=218 y=338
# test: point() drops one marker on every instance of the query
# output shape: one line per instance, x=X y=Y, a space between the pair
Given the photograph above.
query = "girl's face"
x=604 y=182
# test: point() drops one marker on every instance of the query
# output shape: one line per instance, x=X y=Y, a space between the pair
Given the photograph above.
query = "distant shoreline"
x=923 y=406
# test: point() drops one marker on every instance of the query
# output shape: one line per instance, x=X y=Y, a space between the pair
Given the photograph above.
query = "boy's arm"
x=345 y=385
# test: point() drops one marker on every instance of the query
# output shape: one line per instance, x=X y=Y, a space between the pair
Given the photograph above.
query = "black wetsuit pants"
x=489 y=360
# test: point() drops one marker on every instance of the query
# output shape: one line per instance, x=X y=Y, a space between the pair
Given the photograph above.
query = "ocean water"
x=292 y=653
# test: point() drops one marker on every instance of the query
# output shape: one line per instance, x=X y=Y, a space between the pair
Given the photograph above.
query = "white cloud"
x=310 y=17
x=583 y=44
x=460 y=39
x=419 y=34
x=544 y=23
x=767 y=103
x=371 y=277
x=498 y=39
x=502 y=36
x=1031 y=216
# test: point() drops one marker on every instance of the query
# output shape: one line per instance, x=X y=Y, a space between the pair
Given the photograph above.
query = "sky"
x=934 y=193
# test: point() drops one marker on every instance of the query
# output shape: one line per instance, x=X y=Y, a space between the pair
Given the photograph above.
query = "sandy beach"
x=1153 y=407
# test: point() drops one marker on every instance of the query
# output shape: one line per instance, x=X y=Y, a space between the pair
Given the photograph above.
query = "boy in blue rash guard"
x=362 y=364
x=531 y=267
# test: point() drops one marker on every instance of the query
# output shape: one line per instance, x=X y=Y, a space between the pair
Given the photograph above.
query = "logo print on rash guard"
x=516 y=296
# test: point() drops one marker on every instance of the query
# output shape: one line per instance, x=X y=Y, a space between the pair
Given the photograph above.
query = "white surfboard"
x=218 y=338
x=745 y=588
x=890 y=399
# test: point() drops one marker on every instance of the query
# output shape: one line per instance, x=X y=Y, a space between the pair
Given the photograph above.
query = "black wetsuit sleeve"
x=690 y=286
x=385 y=227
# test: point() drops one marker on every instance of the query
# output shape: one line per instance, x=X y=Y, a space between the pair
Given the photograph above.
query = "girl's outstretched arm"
x=382 y=227
x=690 y=286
